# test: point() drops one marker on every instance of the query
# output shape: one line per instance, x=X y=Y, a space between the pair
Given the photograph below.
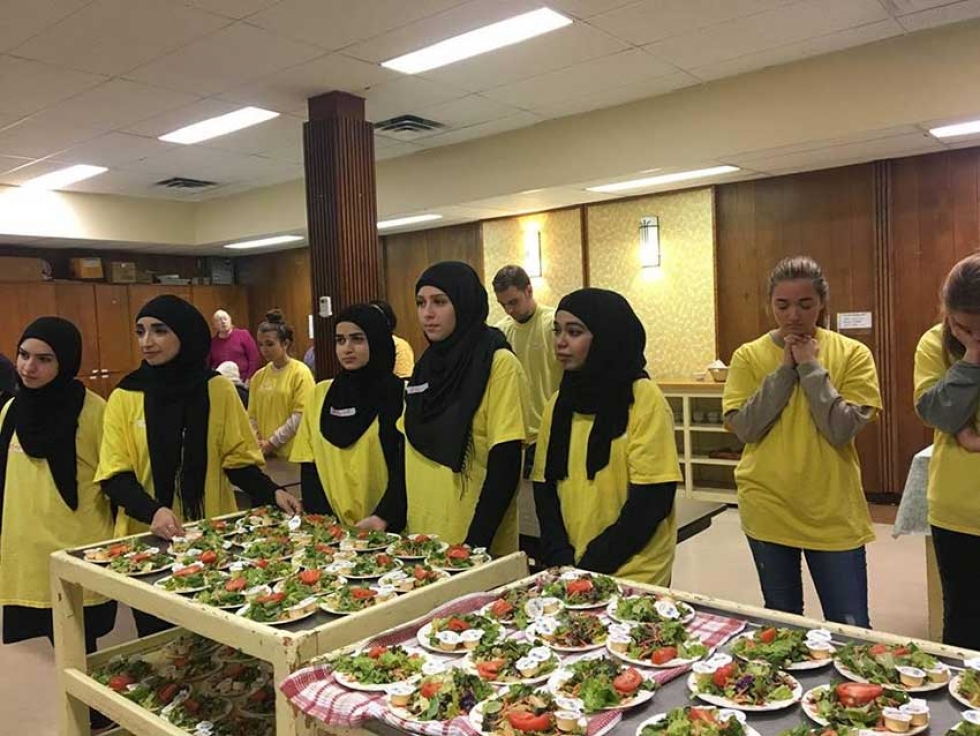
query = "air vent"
x=182 y=182
x=407 y=127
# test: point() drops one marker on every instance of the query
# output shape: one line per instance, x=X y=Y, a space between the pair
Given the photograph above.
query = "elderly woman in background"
x=234 y=344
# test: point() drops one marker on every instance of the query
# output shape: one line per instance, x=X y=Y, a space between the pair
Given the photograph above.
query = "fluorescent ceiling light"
x=221 y=125
x=413 y=220
x=652 y=181
x=262 y=242
x=479 y=41
x=948 y=131
x=64 y=177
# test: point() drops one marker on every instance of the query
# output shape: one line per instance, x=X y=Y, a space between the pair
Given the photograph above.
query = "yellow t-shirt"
x=794 y=487
x=231 y=444
x=404 y=357
x=36 y=521
x=534 y=346
x=646 y=454
x=354 y=478
x=443 y=502
x=275 y=394
x=954 y=488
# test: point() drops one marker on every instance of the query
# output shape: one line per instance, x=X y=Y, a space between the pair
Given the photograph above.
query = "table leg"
x=69 y=653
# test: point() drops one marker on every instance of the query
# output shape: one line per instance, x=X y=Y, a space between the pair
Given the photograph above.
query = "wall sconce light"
x=650 y=242
x=532 y=253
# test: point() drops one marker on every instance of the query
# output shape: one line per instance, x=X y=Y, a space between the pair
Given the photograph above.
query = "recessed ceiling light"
x=948 y=131
x=652 y=181
x=221 y=125
x=262 y=242
x=64 y=177
x=479 y=41
x=413 y=220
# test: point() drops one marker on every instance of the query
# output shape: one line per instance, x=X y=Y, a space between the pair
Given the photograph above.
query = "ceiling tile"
x=948 y=13
x=653 y=20
x=114 y=149
x=230 y=8
x=292 y=153
x=483 y=130
x=118 y=103
x=778 y=27
x=469 y=110
x=224 y=60
x=588 y=8
x=114 y=36
x=333 y=24
x=407 y=95
x=868 y=33
x=9 y=163
x=180 y=117
x=29 y=86
x=616 y=95
x=557 y=50
x=18 y=175
x=204 y=163
x=749 y=158
x=42 y=135
x=279 y=133
x=590 y=77
x=290 y=89
x=904 y=7
x=23 y=19
x=848 y=153
x=385 y=148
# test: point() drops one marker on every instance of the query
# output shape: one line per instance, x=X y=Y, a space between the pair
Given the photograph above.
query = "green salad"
x=574 y=631
x=878 y=663
x=602 y=683
x=415 y=546
x=805 y=730
x=379 y=665
x=279 y=607
x=522 y=710
x=464 y=622
x=965 y=728
x=121 y=671
x=509 y=607
x=191 y=578
x=371 y=566
x=747 y=683
x=141 y=561
x=585 y=590
x=853 y=704
x=226 y=593
x=778 y=646
x=261 y=702
x=642 y=609
x=318 y=554
x=497 y=661
x=968 y=686
x=153 y=693
x=239 y=725
x=664 y=642
x=695 y=721
x=195 y=708
x=457 y=557
x=444 y=696
x=269 y=548
x=351 y=598
x=236 y=679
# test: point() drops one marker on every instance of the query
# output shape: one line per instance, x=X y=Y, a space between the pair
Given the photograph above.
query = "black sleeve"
x=503 y=477
x=393 y=506
x=314 y=497
x=646 y=506
x=555 y=548
x=125 y=491
x=257 y=485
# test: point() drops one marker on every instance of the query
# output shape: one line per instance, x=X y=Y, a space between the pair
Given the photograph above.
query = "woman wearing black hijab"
x=464 y=418
x=606 y=469
x=350 y=453
x=49 y=450
x=174 y=439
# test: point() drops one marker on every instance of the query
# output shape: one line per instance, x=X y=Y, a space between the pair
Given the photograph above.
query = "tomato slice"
x=767 y=636
x=878 y=649
x=663 y=655
x=490 y=669
x=270 y=598
x=117 y=550
x=578 y=587
x=383 y=559
x=458 y=552
x=309 y=577
x=236 y=584
x=261 y=563
x=430 y=688
x=457 y=625
x=120 y=682
x=857 y=694
x=186 y=572
x=628 y=682
x=258 y=696
x=168 y=692
x=723 y=674
x=209 y=557
x=362 y=594
x=701 y=714
x=521 y=721
x=376 y=651
x=501 y=608
x=421 y=573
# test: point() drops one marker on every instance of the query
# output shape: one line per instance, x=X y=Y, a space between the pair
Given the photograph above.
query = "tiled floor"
x=716 y=563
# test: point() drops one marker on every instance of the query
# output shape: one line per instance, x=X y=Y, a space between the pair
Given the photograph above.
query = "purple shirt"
x=240 y=348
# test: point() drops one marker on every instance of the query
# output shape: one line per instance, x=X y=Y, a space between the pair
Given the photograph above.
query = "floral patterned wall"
x=561 y=254
x=676 y=301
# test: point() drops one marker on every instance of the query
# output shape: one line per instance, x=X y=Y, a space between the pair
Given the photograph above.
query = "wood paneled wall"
x=278 y=280
x=407 y=255
x=186 y=266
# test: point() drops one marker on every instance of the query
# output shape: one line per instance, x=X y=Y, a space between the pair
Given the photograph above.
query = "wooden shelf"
x=705 y=460
x=709 y=428
x=717 y=493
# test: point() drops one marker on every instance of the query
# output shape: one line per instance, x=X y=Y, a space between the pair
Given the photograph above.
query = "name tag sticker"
x=417 y=389
x=343 y=412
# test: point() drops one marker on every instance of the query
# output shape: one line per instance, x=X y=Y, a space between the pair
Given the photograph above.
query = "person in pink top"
x=234 y=344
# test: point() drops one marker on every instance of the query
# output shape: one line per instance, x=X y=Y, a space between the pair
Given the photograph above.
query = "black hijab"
x=176 y=406
x=450 y=378
x=356 y=397
x=8 y=380
x=46 y=419
x=604 y=385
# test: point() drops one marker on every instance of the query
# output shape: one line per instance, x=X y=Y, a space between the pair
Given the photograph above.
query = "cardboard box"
x=121 y=272
x=86 y=269
x=17 y=268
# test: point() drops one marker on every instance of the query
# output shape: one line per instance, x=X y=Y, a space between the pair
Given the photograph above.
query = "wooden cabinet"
x=232 y=299
x=21 y=304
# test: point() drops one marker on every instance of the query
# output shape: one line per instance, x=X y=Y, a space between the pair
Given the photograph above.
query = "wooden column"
x=341 y=213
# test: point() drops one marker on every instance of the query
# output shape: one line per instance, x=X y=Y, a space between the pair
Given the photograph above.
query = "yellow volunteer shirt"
x=275 y=394
x=404 y=357
x=36 y=521
x=954 y=491
x=231 y=444
x=646 y=454
x=794 y=487
x=534 y=346
x=443 y=502
x=354 y=478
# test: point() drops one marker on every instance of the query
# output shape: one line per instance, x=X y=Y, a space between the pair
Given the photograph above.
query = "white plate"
x=812 y=664
x=390 y=549
x=726 y=703
x=420 y=726
x=422 y=637
x=561 y=675
x=241 y=612
x=611 y=611
x=812 y=714
x=351 y=684
x=183 y=591
x=647 y=663
x=392 y=538
x=532 y=635
x=749 y=731
x=469 y=665
x=475 y=718
x=482 y=560
x=954 y=687
x=926 y=687
x=86 y=558
x=325 y=607
x=349 y=576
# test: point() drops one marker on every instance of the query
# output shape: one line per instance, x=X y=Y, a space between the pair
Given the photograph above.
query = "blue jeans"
x=841 y=579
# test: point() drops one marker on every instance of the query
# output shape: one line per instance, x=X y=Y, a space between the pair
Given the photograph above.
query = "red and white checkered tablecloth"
x=314 y=691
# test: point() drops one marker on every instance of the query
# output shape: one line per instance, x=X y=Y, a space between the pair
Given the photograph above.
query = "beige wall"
x=561 y=253
x=676 y=302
